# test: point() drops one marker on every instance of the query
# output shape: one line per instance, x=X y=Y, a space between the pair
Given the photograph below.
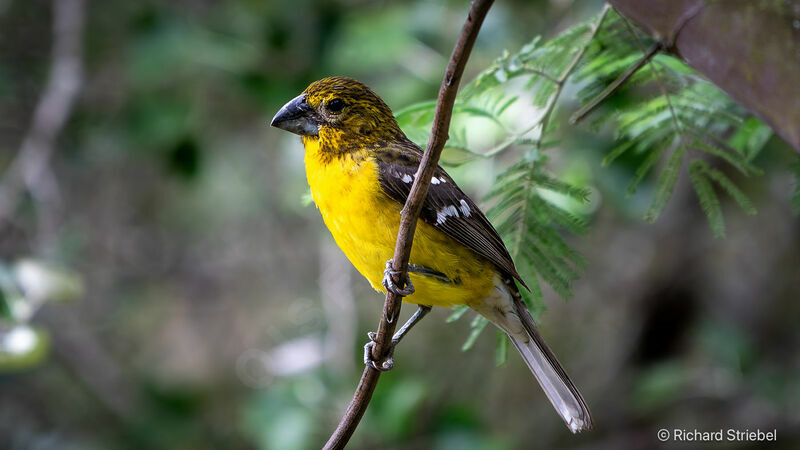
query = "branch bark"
x=52 y=111
x=409 y=216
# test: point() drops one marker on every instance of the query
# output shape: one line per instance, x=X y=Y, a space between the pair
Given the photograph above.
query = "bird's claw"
x=381 y=366
x=390 y=285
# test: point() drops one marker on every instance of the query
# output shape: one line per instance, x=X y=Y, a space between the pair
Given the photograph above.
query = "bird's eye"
x=335 y=105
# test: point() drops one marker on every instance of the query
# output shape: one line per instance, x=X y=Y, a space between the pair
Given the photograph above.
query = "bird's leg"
x=421 y=311
x=388 y=362
x=390 y=285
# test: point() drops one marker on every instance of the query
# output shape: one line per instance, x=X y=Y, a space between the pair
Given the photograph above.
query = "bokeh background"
x=204 y=305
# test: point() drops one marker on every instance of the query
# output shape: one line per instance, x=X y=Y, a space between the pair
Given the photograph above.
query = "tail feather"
x=552 y=377
x=504 y=307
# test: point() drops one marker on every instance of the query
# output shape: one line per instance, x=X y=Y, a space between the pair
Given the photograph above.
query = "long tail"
x=506 y=309
x=552 y=377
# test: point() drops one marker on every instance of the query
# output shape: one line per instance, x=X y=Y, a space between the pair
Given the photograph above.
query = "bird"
x=360 y=167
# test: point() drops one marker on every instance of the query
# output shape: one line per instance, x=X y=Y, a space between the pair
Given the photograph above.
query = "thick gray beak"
x=297 y=117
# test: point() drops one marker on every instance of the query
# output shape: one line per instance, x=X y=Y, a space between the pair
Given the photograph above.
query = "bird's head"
x=344 y=114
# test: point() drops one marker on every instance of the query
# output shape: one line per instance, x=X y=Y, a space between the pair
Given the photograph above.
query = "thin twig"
x=661 y=86
x=615 y=85
x=54 y=107
x=409 y=216
x=540 y=73
x=568 y=71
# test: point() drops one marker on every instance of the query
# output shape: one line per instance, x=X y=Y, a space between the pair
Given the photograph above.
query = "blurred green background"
x=206 y=306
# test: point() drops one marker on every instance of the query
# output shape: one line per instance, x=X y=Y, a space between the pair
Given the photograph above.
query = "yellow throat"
x=364 y=223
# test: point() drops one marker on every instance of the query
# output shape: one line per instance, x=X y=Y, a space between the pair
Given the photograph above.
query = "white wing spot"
x=443 y=213
x=407 y=178
x=464 y=208
x=435 y=180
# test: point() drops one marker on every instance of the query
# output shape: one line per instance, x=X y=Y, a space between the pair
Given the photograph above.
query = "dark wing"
x=446 y=207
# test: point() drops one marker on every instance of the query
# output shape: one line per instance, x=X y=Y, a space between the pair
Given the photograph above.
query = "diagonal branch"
x=616 y=84
x=52 y=111
x=562 y=79
x=659 y=45
x=409 y=216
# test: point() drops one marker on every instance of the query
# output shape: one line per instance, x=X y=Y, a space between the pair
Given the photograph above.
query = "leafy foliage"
x=684 y=118
x=530 y=224
x=681 y=119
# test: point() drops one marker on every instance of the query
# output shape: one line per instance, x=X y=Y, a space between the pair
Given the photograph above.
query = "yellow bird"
x=360 y=167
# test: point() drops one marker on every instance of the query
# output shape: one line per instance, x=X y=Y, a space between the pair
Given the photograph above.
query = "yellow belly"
x=364 y=223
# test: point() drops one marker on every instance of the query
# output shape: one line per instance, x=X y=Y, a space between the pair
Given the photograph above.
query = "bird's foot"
x=381 y=366
x=390 y=285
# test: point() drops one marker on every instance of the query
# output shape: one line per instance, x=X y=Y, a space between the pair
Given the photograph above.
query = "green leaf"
x=416 y=108
x=666 y=183
x=456 y=155
x=553 y=241
x=643 y=169
x=504 y=106
x=617 y=152
x=545 y=181
x=726 y=184
x=560 y=216
x=307 y=199
x=546 y=269
x=731 y=156
x=478 y=324
x=708 y=199
x=750 y=138
x=458 y=312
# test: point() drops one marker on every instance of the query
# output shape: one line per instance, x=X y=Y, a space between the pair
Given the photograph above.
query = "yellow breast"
x=364 y=223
